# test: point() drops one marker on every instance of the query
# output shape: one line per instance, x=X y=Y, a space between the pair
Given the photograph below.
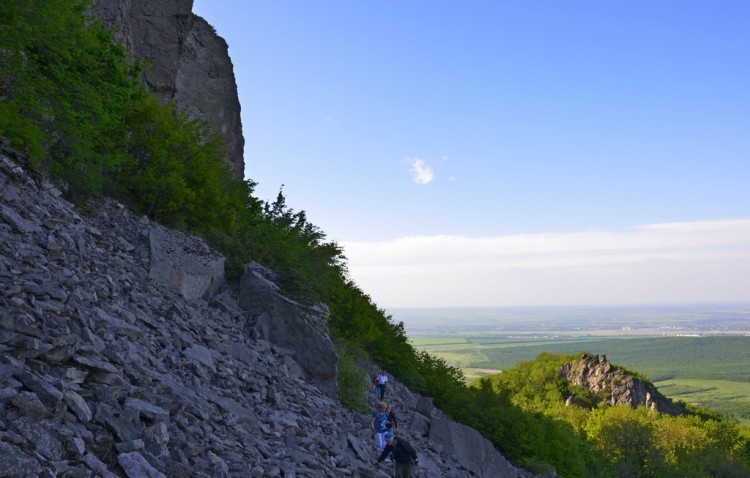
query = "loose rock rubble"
x=105 y=372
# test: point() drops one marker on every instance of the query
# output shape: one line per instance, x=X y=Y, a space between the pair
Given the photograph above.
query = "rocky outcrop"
x=187 y=62
x=185 y=263
x=471 y=449
x=616 y=384
x=301 y=329
x=109 y=371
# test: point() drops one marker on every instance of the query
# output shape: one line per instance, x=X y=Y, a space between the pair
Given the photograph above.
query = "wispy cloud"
x=421 y=172
x=671 y=262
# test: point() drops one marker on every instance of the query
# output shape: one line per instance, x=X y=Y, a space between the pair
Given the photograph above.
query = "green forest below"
x=75 y=109
x=706 y=371
x=660 y=358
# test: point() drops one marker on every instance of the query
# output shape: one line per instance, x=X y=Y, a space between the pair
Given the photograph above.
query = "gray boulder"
x=184 y=263
x=472 y=450
x=301 y=329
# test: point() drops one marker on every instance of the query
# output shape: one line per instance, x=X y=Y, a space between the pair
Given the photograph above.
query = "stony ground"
x=104 y=373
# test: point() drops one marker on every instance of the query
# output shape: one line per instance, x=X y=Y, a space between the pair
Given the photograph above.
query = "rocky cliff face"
x=123 y=353
x=619 y=387
x=188 y=63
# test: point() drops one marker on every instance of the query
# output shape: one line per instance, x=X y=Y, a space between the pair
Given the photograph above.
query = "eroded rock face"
x=301 y=329
x=205 y=85
x=188 y=63
x=472 y=450
x=621 y=388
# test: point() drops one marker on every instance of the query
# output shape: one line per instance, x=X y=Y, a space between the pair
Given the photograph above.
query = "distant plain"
x=699 y=354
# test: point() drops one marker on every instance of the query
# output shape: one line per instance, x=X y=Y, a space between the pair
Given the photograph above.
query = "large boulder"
x=472 y=450
x=187 y=61
x=184 y=263
x=301 y=329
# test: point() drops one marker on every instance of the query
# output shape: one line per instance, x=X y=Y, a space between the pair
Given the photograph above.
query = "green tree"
x=625 y=437
x=64 y=92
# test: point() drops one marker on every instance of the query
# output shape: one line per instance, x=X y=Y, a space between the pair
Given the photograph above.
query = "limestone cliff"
x=188 y=63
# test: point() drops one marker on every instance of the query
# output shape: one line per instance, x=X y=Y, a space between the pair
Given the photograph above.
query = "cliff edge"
x=187 y=62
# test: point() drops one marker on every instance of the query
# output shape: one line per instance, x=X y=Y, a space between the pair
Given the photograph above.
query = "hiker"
x=375 y=387
x=377 y=424
x=382 y=381
x=392 y=420
x=403 y=453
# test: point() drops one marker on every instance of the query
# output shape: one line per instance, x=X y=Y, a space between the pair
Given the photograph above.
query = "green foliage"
x=175 y=172
x=659 y=358
x=352 y=379
x=690 y=369
x=536 y=384
x=639 y=442
x=440 y=378
x=620 y=440
x=536 y=439
x=309 y=265
x=65 y=88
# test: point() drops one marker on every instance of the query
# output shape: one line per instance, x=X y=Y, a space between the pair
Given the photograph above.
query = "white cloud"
x=421 y=172
x=674 y=262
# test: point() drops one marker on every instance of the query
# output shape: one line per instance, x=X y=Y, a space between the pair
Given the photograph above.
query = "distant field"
x=713 y=372
x=459 y=354
x=731 y=399
x=474 y=373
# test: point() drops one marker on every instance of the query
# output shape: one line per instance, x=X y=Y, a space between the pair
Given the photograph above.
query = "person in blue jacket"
x=378 y=425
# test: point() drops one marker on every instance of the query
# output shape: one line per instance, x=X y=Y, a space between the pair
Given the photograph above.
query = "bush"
x=352 y=380
x=65 y=90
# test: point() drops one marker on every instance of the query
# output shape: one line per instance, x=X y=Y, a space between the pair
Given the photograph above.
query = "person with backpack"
x=403 y=454
x=392 y=420
x=378 y=426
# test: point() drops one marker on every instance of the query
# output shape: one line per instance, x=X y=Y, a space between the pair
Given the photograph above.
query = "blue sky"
x=491 y=153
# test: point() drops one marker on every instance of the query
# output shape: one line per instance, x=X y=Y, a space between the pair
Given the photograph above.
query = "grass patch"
x=427 y=342
x=731 y=399
x=474 y=373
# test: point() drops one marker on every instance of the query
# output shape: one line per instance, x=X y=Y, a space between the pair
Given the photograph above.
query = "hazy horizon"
x=452 y=320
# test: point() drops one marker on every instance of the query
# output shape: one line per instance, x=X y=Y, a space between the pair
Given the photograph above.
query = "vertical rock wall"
x=188 y=63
